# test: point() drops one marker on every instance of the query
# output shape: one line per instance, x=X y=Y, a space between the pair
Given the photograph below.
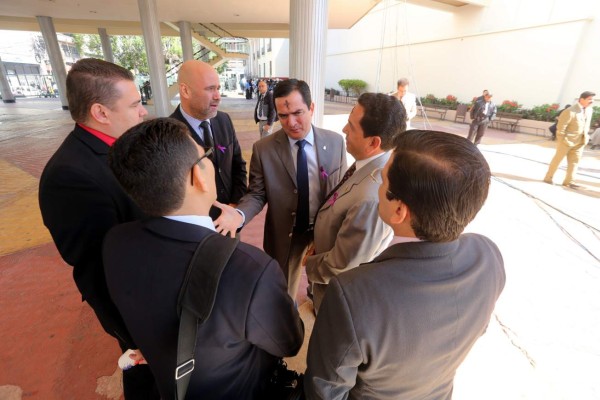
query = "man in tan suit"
x=292 y=170
x=572 y=131
x=348 y=230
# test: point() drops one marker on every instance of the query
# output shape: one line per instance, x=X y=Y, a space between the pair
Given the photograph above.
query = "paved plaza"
x=542 y=342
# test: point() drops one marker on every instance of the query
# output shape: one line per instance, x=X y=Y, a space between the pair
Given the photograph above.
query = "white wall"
x=531 y=51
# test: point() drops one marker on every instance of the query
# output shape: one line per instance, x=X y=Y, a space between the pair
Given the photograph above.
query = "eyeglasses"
x=207 y=153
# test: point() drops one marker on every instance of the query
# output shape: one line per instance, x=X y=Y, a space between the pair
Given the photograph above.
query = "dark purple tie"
x=302 y=210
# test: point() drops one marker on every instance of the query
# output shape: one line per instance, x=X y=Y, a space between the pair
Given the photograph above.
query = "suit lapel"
x=282 y=148
x=325 y=160
x=217 y=131
x=179 y=116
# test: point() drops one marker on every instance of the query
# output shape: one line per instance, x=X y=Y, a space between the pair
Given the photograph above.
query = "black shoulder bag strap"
x=196 y=300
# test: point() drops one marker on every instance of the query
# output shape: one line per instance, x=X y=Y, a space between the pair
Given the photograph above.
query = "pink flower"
x=333 y=198
x=222 y=148
x=323 y=173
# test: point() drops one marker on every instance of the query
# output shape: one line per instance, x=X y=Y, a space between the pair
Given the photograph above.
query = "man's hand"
x=229 y=221
x=267 y=128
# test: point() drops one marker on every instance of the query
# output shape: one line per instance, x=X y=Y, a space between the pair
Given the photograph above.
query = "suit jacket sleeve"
x=256 y=198
x=273 y=322
x=352 y=243
x=334 y=354
x=239 y=176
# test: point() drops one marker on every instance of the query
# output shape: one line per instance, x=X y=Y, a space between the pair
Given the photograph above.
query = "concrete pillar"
x=7 y=95
x=156 y=61
x=185 y=34
x=106 y=47
x=56 y=60
x=308 y=34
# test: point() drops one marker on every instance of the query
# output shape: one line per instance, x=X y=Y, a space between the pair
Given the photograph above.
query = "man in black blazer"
x=482 y=113
x=81 y=200
x=253 y=321
x=264 y=112
x=400 y=326
x=199 y=90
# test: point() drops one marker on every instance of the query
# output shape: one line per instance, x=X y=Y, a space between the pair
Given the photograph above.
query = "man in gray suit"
x=348 y=230
x=482 y=113
x=292 y=170
x=399 y=327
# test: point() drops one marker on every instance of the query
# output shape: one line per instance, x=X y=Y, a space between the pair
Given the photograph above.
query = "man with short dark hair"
x=199 y=91
x=264 y=112
x=482 y=113
x=572 y=134
x=253 y=322
x=292 y=170
x=81 y=200
x=408 y=99
x=348 y=230
x=400 y=326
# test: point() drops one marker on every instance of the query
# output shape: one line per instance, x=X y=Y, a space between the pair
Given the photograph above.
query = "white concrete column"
x=185 y=34
x=308 y=35
x=106 y=47
x=7 y=94
x=56 y=60
x=156 y=61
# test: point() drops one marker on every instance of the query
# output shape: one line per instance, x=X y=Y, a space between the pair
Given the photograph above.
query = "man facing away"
x=482 y=113
x=572 y=132
x=81 y=200
x=292 y=170
x=400 y=326
x=264 y=112
x=348 y=230
x=253 y=321
x=199 y=90
x=409 y=100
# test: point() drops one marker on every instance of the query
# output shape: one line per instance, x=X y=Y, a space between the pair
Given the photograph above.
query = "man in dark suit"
x=199 y=90
x=253 y=321
x=292 y=170
x=400 y=326
x=482 y=113
x=264 y=112
x=81 y=200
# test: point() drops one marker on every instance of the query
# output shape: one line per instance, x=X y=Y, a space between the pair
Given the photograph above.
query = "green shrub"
x=354 y=86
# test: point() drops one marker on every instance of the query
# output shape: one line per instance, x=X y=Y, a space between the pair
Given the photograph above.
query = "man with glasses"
x=81 y=200
x=292 y=170
x=199 y=91
x=348 y=230
x=400 y=326
x=253 y=322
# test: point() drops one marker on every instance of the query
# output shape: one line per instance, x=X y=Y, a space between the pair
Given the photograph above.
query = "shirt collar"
x=109 y=140
x=191 y=120
x=310 y=138
x=362 y=163
x=403 y=239
x=200 y=220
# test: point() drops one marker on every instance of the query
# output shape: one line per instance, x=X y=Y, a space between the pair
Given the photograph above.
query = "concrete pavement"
x=542 y=342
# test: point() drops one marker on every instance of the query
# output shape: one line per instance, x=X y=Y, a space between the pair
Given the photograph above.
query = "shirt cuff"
x=243 y=217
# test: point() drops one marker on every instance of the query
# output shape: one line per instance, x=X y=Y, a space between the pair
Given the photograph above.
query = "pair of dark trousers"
x=477 y=130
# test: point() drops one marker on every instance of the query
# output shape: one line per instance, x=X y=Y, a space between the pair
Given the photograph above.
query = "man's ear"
x=199 y=179
x=99 y=113
x=184 y=91
x=401 y=214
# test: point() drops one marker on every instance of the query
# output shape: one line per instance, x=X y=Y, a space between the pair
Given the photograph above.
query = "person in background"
x=264 y=112
x=572 y=134
x=409 y=100
x=482 y=113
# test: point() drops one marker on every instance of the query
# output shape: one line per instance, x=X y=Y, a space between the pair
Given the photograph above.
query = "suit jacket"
x=268 y=107
x=348 y=231
x=273 y=181
x=230 y=167
x=252 y=324
x=573 y=125
x=80 y=200
x=478 y=111
x=399 y=327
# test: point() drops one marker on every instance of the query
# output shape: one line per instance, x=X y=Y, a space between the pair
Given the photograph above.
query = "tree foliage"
x=354 y=86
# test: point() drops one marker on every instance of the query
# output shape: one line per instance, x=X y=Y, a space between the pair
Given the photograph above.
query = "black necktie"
x=260 y=105
x=302 y=181
x=208 y=140
x=347 y=175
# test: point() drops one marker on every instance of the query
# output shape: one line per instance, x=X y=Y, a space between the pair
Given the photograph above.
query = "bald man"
x=199 y=90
